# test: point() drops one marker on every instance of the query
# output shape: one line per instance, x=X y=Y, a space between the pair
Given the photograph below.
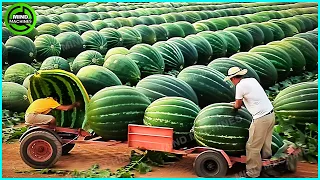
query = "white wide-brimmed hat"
x=235 y=71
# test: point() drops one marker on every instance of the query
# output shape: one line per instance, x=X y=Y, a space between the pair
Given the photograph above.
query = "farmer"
x=37 y=112
x=250 y=92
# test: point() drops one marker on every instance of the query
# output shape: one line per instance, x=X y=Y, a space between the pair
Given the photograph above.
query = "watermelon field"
x=164 y=64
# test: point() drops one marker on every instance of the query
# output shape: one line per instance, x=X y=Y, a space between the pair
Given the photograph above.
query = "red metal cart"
x=41 y=147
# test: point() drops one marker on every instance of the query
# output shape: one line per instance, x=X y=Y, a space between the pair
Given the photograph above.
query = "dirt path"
x=83 y=157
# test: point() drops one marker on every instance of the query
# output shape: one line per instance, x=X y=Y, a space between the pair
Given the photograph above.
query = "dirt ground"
x=83 y=156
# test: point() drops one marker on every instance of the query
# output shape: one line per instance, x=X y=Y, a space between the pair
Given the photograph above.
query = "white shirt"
x=254 y=97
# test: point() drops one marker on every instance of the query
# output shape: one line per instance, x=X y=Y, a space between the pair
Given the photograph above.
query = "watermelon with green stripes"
x=278 y=57
x=268 y=34
x=159 y=86
x=278 y=33
x=56 y=19
x=116 y=50
x=171 y=54
x=6 y=34
x=298 y=102
x=205 y=80
x=71 y=44
x=264 y=68
x=148 y=59
x=203 y=48
x=224 y=64
x=99 y=24
x=147 y=34
x=89 y=57
x=199 y=27
x=312 y=38
x=217 y=42
x=14 y=97
x=161 y=33
x=69 y=17
x=187 y=27
x=307 y=49
x=188 y=50
x=130 y=36
x=256 y=32
x=55 y=62
x=95 y=78
x=173 y=30
x=233 y=44
x=85 y=26
x=219 y=23
x=111 y=110
x=4 y=55
x=49 y=28
x=46 y=46
x=93 y=40
x=245 y=38
x=207 y=23
x=18 y=72
x=20 y=50
x=69 y=89
x=219 y=126
x=113 y=37
x=124 y=67
x=69 y=27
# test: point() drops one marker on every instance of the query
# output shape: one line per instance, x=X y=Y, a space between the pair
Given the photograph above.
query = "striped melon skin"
x=279 y=58
x=95 y=78
x=268 y=34
x=69 y=27
x=4 y=55
x=256 y=32
x=14 y=97
x=186 y=27
x=219 y=23
x=69 y=17
x=71 y=44
x=169 y=18
x=188 y=50
x=147 y=34
x=6 y=34
x=233 y=44
x=112 y=23
x=231 y=21
x=158 y=86
x=203 y=47
x=277 y=142
x=89 y=57
x=307 y=49
x=210 y=25
x=124 y=22
x=199 y=27
x=306 y=21
x=49 y=28
x=174 y=112
x=124 y=67
x=130 y=36
x=41 y=19
x=148 y=59
x=264 y=68
x=219 y=126
x=161 y=33
x=93 y=16
x=288 y=29
x=46 y=46
x=85 y=26
x=171 y=54
x=18 y=72
x=191 y=17
x=135 y=21
x=224 y=64
x=116 y=50
x=56 y=19
x=312 y=38
x=245 y=38
x=299 y=102
x=295 y=22
x=147 y=20
x=83 y=17
x=111 y=110
x=178 y=17
x=70 y=90
x=158 y=19
x=298 y=60
x=173 y=30
x=99 y=24
x=20 y=50
x=113 y=37
x=204 y=81
x=55 y=62
x=278 y=33
x=217 y=42
x=93 y=40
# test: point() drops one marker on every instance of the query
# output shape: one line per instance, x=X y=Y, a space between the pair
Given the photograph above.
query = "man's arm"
x=68 y=107
x=238 y=104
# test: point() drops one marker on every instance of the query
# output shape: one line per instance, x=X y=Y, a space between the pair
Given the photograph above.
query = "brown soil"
x=83 y=156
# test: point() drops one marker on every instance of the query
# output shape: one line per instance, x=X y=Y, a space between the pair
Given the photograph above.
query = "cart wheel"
x=67 y=148
x=210 y=164
x=40 y=149
x=291 y=164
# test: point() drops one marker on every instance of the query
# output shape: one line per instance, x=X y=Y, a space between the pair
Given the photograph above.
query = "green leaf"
x=313 y=127
x=143 y=168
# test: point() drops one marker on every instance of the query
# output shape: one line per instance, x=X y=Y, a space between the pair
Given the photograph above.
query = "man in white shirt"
x=250 y=92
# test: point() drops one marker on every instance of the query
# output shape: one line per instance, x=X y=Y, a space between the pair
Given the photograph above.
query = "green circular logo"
x=20 y=18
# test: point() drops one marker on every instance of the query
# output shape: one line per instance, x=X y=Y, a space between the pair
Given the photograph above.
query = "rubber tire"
x=67 y=148
x=291 y=164
x=222 y=165
x=44 y=135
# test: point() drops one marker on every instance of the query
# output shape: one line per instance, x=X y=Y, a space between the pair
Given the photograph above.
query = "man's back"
x=254 y=97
